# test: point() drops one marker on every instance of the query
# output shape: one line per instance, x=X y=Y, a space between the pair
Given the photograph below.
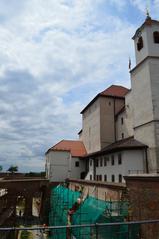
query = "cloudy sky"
x=55 y=55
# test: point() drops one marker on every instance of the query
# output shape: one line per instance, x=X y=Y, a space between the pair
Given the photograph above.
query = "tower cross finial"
x=148 y=9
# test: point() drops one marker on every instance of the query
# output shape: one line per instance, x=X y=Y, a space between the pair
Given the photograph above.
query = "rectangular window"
x=113 y=178
x=97 y=163
x=91 y=177
x=90 y=162
x=101 y=162
x=122 y=120
x=120 y=178
x=122 y=135
x=77 y=164
x=112 y=160
x=106 y=158
x=119 y=159
x=105 y=178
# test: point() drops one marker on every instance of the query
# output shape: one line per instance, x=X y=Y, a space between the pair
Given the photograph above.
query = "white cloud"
x=49 y=49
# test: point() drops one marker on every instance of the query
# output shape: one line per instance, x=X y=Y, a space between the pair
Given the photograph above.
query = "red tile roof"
x=76 y=148
x=115 y=90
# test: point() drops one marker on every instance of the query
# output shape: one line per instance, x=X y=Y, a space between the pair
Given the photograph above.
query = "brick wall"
x=143 y=193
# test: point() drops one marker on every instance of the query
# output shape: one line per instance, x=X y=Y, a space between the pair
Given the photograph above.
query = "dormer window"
x=156 y=37
x=140 y=44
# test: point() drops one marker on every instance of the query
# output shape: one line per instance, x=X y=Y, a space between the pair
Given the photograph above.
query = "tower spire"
x=148 y=10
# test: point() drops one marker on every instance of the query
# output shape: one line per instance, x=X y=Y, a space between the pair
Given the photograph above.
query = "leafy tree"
x=1 y=168
x=12 y=169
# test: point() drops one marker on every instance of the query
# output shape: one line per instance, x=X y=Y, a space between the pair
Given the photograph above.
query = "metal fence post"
x=96 y=226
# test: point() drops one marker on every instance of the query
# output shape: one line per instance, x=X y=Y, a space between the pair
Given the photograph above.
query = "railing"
x=155 y=171
x=136 y=230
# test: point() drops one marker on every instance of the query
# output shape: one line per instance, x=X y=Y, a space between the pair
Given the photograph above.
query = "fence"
x=97 y=230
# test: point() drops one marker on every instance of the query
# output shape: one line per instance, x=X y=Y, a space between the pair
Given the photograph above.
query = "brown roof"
x=115 y=91
x=76 y=148
x=128 y=143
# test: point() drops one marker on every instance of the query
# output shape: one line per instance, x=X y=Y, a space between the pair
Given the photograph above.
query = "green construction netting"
x=91 y=211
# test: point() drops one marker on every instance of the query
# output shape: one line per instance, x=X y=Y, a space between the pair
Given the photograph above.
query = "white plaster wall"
x=60 y=165
x=141 y=93
x=150 y=48
x=76 y=171
x=131 y=161
x=140 y=55
x=153 y=48
x=154 y=77
x=90 y=171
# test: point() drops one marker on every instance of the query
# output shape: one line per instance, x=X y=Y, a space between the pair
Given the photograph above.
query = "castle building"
x=120 y=126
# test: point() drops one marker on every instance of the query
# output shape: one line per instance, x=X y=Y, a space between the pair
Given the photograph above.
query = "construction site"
x=70 y=207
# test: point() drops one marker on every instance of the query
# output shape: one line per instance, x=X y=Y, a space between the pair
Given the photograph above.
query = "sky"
x=55 y=56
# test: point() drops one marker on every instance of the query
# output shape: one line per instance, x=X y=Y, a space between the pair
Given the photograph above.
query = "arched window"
x=140 y=44
x=156 y=37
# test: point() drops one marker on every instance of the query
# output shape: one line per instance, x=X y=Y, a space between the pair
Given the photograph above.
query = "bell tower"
x=145 y=89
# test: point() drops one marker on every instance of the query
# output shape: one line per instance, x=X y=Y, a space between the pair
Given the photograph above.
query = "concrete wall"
x=121 y=128
x=98 y=123
x=61 y=165
x=143 y=193
x=91 y=127
x=108 y=108
x=145 y=90
x=141 y=93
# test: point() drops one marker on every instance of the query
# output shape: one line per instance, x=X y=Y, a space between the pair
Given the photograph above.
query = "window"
x=113 y=178
x=77 y=164
x=109 y=103
x=120 y=178
x=112 y=159
x=140 y=44
x=91 y=177
x=156 y=37
x=122 y=120
x=101 y=162
x=122 y=135
x=97 y=163
x=119 y=159
x=106 y=159
x=105 y=177
x=100 y=177
x=90 y=162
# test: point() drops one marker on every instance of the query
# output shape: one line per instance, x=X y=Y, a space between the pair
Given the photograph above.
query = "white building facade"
x=120 y=126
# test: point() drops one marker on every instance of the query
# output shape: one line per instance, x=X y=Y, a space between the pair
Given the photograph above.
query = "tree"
x=12 y=169
x=1 y=168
